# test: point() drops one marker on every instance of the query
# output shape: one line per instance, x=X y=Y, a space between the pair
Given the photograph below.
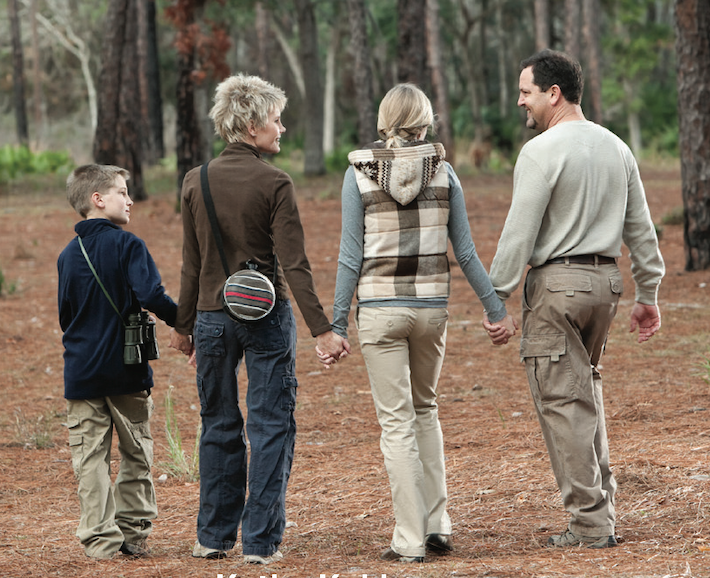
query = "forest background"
x=464 y=53
x=130 y=82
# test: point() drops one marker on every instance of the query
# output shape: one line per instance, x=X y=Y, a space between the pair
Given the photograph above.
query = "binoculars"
x=140 y=343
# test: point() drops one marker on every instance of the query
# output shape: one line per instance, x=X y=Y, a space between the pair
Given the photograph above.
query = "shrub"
x=16 y=161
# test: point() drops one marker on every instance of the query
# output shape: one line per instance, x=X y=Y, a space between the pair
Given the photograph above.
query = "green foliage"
x=17 y=161
x=640 y=71
x=337 y=161
x=180 y=465
x=505 y=131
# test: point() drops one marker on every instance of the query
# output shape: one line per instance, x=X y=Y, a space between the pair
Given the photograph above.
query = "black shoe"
x=138 y=550
x=390 y=555
x=439 y=544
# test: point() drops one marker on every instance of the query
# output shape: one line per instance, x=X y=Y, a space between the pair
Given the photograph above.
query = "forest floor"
x=503 y=498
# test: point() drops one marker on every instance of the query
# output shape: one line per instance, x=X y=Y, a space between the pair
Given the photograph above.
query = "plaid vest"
x=405 y=193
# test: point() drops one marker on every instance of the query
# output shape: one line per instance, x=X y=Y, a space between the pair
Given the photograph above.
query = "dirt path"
x=503 y=498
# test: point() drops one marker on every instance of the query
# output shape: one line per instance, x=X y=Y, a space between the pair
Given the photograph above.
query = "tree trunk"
x=151 y=98
x=18 y=75
x=503 y=63
x=310 y=64
x=188 y=139
x=117 y=139
x=592 y=39
x=130 y=119
x=572 y=28
x=633 y=119
x=37 y=76
x=473 y=78
x=438 y=81
x=105 y=145
x=262 y=39
x=329 y=95
x=59 y=25
x=542 y=24
x=483 y=74
x=291 y=58
x=411 y=42
x=362 y=73
x=693 y=62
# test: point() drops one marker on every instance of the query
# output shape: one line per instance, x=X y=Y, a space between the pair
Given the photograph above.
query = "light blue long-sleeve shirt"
x=351 y=257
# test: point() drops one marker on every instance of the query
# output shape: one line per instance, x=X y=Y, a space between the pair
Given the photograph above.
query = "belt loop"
x=567 y=261
x=596 y=261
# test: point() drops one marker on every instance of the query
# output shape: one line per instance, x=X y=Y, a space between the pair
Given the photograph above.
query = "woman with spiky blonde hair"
x=257 y=219
x=242 y=101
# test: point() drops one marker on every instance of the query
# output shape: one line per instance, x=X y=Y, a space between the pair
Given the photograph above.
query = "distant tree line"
x=125 y=61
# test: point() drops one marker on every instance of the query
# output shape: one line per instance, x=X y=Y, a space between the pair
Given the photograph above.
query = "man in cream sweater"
x=577 y=196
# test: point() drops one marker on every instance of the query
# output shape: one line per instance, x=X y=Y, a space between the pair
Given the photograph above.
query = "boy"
x=102 y=391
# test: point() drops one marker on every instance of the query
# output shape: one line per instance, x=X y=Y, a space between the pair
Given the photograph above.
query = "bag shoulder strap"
x=96 y=276
x=212 y=215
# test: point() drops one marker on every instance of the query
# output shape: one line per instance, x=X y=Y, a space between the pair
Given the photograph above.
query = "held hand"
x=501 y=331
x=182 y=343
x=648 y=320
x=331 y=348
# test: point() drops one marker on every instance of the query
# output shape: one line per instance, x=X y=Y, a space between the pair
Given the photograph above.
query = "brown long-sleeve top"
x=257 y=214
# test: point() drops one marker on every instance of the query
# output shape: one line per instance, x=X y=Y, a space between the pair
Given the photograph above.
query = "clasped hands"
x=184 y=344
x=331 y=348
x=500 y=331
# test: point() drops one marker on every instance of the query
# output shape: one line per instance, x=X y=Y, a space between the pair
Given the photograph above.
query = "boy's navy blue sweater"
x=93 y=332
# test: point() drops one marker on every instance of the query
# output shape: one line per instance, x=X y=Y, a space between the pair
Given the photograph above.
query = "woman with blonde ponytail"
x=401 y=204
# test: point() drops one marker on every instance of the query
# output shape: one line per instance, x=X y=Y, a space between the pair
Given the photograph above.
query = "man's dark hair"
x=552 y=67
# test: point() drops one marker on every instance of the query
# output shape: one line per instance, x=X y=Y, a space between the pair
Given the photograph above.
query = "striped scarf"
x=405 y=192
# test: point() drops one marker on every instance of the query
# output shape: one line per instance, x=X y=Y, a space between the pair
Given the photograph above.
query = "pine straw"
x=503 y=499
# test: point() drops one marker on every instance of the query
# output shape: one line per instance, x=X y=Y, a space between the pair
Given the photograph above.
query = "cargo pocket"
x=547 y=366
x=288 y=394
x=209 y=339
x=76 y=443
x=568 y=283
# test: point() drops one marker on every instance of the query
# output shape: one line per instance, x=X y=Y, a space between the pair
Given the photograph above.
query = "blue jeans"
x=269 y=347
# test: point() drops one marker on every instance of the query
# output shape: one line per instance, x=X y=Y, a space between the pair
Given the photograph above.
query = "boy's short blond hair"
x=240 y=100
x=88 y=179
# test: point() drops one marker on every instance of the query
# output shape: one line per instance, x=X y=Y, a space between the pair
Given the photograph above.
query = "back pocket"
x=569 y=283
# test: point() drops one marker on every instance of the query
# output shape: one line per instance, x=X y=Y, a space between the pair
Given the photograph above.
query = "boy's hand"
x=182 y=343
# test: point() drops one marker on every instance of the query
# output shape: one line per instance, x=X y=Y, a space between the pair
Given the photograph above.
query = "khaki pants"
x=110 y=515
x=567 y=312
x=403 y=349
